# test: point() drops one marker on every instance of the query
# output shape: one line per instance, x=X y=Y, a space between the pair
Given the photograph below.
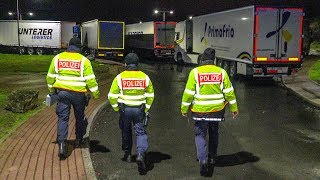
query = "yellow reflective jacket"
x=132 y=88
x=72 y=71
x=208 y=89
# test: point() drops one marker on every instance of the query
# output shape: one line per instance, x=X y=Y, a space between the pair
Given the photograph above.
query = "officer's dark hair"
x=75 y=41
x=208 y=56
x=131 y=58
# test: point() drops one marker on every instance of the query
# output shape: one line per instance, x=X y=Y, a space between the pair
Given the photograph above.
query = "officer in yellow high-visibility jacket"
x=132 y=93
x=208 y=91
x=70 y=75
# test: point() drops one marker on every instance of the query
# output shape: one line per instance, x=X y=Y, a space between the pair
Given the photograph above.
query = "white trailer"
x=257 y=41
x=151 y=38
x=103 y=38
x=36 y=36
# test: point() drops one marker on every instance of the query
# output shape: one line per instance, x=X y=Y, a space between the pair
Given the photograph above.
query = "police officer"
x=208 y=91
x=70 y=75
x=132 y=92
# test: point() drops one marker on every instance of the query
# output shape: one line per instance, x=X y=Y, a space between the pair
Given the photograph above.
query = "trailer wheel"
x=22 y=50
x=233 y=69
x=219 y=62
x=30 y=51
x=39 y=51
x=226 y=66
x=55 y=51
x=93 y=53
x=179 y=59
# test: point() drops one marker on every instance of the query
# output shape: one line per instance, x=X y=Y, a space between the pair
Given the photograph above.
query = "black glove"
x=146 y=119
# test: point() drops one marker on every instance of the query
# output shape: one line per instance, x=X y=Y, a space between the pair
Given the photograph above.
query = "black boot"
x=212 y=159
x=141 y=163
x=79 y=142
x=127 y=157
x=204 y=168
x=62 y=150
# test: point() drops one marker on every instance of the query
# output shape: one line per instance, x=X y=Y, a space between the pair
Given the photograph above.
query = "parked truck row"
x=258 y=41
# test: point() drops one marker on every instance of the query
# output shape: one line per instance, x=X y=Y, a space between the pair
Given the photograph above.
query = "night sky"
x=132 y=11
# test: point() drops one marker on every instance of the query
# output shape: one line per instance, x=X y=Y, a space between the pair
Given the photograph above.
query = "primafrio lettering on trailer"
x=255 y=41
x=36 y=36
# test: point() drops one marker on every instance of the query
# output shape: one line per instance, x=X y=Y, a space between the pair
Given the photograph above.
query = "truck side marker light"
x=262 y=59
x=293 y=59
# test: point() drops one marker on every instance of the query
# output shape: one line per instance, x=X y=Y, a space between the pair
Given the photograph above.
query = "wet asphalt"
x=275 y=136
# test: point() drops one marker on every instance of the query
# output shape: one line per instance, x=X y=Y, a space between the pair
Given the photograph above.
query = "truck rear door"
x=111 y=35
x=278 y=35
x=164 y=33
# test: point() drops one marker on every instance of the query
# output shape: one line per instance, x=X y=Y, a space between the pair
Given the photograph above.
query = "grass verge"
x=17 y=66
x=314 y=72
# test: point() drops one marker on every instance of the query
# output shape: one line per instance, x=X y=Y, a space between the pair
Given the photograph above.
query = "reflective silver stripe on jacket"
x=207 y=119
x=56 y=58
x=188 y=91
x=195 y=72
x=135 y=103
x=222 y=79
x=82 y=66
x=119 y=83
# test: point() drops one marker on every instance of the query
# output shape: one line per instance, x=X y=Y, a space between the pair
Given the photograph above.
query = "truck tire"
x=30 y=50
x=233 y=69
x=219 y=63
x=22 y=50
x=93 y=53
x=39 y=51
x=55 y=51
x=180 y=59
x=225 y=66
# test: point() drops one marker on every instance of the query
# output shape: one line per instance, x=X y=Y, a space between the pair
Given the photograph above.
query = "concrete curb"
x=300 y=95
x=90 y=173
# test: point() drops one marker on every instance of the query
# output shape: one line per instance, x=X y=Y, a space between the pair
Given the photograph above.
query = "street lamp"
x=30 y=14
x=19 y=17
x=190 y=17
x=163 y=13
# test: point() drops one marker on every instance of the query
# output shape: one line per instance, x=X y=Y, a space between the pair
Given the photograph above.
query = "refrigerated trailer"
x=36 y=36
x=151 y=38
x=103 y=38
x=257 y=41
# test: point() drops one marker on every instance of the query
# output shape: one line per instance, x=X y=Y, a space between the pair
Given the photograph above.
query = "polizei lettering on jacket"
x=69 y=65
x=223 y=31
x=133 y=83
x=37 y=33
x=209 y=78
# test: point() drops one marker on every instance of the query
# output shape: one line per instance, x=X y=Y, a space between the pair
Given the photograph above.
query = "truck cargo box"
x=255 y=40
x=36 y=34
x=157 y=38
x=103 y=38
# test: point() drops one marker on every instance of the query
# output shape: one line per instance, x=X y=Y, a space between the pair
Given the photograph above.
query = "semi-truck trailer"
x=103 y=38
x=36 y=36
x=155 y=39
x=258 y=41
